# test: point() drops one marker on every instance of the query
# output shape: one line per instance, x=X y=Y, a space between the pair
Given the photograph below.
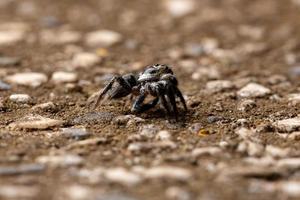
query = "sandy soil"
x=239 y=41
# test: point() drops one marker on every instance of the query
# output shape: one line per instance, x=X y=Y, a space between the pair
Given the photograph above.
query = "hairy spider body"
x=157 y=80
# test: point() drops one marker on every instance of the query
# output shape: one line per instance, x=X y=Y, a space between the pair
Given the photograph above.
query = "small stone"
x=75 y=133
x=163 y=135
x=179 y=8
x=289 y=163
x=32 y=79
x=18 y=192
x=87 y=142
x=291 y=188
x=253 y=90
x=93 y=118
x=103 y=38
x=287 y=125
x=139 y=147
x=193 y=49
x=204 y=151
x=122 y=176
x=250 y=148
x=195 y=128
x=277 y=152
x=213 y=119
x=20 y=98
x=209 y=73
x=293 y=99
x=245 y=133
x=4 y=86
x=246 y=105
x=148 y=131
x=77 y=192
x=9 y=37
x=66 y=160
x=64 y=77
x=59 y=37
x=177 y=193
x=167 y=172
x=9 y=61
x=49 y=106
x=219 y=86
x=128 y=120
x=21 y=169
x=85 y=60
x=35 y=122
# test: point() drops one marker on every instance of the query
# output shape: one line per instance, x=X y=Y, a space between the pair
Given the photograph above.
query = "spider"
x=156 y=80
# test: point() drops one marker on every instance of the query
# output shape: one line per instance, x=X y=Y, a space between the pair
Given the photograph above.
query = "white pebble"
x=122 y=176
x=18 y=192
x=168 y=172
x=291 y=188
x=64 y=77
x=103 y=38
x=32 y=79
x=163 y=135
x=287 y=125
x=60 y=160
x=219 y=85
x=60 y=37
x=180 y=8
x=293 y=99
x=85 y=59
x=35 y=122
x=253 y=90
x=20 y=98
x=202 y=151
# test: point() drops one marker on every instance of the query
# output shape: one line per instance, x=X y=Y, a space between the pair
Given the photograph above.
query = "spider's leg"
x=171 y=97
x=120 y=80
x=164 y=103
x=137 y=105
x=147 y=106
x=179 y=94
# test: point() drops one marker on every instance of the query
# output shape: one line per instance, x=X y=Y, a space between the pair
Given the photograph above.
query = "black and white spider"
x=157 y=80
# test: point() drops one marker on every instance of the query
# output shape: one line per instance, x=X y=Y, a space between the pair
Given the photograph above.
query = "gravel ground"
x=238 y=66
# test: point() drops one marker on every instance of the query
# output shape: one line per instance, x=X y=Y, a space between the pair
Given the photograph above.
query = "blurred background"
x=63 y=51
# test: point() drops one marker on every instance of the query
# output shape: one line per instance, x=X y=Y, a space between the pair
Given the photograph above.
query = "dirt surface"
x=227 y=145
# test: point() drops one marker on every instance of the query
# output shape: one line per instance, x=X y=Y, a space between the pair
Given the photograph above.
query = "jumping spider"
x=157 y=80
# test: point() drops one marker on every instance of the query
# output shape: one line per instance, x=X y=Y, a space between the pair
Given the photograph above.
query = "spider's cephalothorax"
x=156 y=80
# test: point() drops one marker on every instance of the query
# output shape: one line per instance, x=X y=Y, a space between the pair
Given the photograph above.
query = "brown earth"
x=156 y=34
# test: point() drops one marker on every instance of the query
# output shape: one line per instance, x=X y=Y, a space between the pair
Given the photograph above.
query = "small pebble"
x=32 y=79
x=167 y=172
x=122 y=176
x=49 y=106
x=287 y=125
x=195 y=128
x=66 y=160
x=163 y=135
x=179 y=8
x=59 y=37
x=9 y=61
x=75 y=133
x=293 y=99
x=246 y=105
x=21 y=169
x=4 y=86
x=177 y=193
x=103 y=38
x=253 y=90
x=20 y=98
x=64 y=77
x=203 y=151
x=35 y=122
x=148 y=131
x=18 y=192
x=219 y=86
x=85 y=60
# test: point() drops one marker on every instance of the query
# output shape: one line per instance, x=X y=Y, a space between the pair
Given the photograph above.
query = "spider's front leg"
x=126 y=83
